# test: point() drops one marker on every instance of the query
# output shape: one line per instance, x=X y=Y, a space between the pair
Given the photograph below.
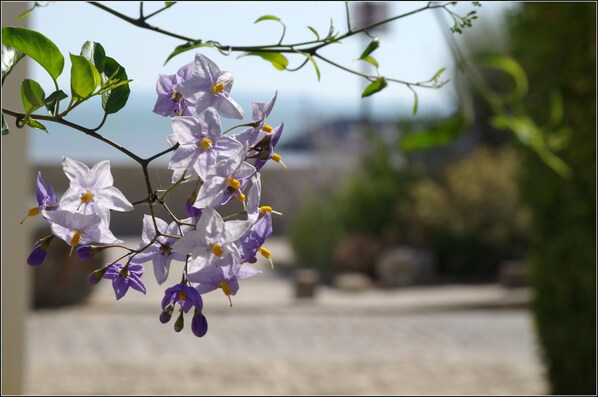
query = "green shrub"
x=470 y=214
x=556 y=44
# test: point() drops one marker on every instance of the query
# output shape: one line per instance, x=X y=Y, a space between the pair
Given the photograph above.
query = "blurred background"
x=448 y=252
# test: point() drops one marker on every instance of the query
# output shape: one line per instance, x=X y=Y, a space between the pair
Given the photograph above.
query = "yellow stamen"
x=240 y=197
x=216 y=249
x=265 y=209
x=217 y=88
x=76 y=238
x=205 y=143
x=225 y=287
x=182 y=296
x=177 y=96
x=33 y=211
x=87 y=197
x=235 y=184
x=276 y=157
x=267 y=128
x=265 y=253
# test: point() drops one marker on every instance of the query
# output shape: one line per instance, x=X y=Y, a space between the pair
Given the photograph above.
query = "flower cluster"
x=216 y=252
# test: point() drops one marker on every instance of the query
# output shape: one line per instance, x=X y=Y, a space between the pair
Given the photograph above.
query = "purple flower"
x=225 y=276
x=46 y=198
x=251 y=242
x=210 y=87
x=262 y=139
x=171 y=103
x=125 y=276
x=260 y=112
x=39 y=252
x=186 y=296
x=262 y=151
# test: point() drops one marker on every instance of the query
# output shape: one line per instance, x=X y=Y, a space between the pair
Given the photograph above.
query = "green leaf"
x=376 y=86
x=52 y=101
x=373 y=46
x=94 y=53
x=169 y=3
x=10 y=57
x=313 y=62
x=85 y=78
x=32 y=95
x=415 y=102
x=4 y=126
x=371 y=61
x=268 y=18
x=37 y=46
x=188 y=47
x=427 y=140
x=314 y=32
x=331 y=30
x=277 y=60
x=115 y=99
x=35 y=124
x=437 y=75
x=509 y=66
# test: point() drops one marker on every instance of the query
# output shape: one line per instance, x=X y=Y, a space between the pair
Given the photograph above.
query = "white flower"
x=212 y=239
x=75 y=228
x=91 y=191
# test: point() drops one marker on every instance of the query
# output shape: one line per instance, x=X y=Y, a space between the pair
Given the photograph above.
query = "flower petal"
x=76 y=171
x=100 y=175
x=113 y=198
x=227 y=107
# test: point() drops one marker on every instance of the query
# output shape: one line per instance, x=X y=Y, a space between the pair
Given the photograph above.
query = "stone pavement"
x=432 y=340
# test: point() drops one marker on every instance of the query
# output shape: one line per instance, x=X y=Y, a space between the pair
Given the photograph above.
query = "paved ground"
x=442 y=340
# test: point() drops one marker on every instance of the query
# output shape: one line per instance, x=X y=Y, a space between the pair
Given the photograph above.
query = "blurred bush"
x=468 y=213
x=556 y=44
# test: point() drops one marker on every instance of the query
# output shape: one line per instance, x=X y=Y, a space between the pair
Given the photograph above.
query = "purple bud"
x=179 y=323
x=166 y=314
x=191 y=210
x=39 y=252
x=253 y=259
x=199 y=324
x=86 y=252
x=96 y=276
x=37 y=256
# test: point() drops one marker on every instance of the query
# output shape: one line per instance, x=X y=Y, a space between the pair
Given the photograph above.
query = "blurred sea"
x=138 y=129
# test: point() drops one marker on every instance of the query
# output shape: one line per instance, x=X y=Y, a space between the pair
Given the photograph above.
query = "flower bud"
x=166 y=314
x=191 y=210
x=39 y=252
x=96 y=276
x=87 y=252
x=179 y=323
x=37 y=256
x=199 y=324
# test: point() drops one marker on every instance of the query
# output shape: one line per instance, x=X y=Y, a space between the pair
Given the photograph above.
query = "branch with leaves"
x=276 y=53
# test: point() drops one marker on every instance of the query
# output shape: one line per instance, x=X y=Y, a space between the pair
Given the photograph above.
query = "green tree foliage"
x=556 y=44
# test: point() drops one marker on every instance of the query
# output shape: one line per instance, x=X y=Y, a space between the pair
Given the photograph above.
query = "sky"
x=412 y=49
